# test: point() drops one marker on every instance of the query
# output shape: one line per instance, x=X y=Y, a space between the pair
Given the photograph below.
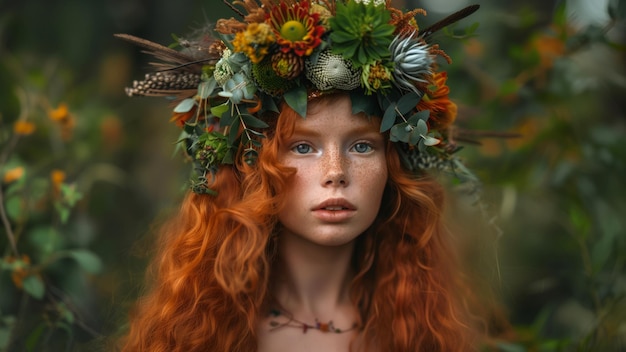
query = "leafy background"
x=86 y=173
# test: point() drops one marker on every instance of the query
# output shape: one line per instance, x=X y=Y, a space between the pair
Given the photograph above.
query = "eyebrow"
x=361 y=130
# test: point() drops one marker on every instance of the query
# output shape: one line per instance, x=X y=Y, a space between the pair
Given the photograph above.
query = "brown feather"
x=455 y=17
x=171 y=59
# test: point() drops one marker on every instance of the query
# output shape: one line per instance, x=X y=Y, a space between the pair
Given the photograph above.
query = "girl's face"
x=341 y=174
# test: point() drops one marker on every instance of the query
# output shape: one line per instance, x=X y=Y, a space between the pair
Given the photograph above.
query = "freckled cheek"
x=373 y=175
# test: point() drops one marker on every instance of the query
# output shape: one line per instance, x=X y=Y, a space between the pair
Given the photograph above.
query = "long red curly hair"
x=209 y=282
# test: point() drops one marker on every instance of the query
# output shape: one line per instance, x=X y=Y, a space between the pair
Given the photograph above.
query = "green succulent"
x=361 y=32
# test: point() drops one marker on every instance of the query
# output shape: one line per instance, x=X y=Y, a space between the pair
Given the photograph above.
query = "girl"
x=319 y=233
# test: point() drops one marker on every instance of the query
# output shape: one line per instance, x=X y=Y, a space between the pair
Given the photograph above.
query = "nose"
x=335 y=166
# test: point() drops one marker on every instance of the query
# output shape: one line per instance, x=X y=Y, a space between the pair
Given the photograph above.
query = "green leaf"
x=219 y=110
x=14 y=207
x=233 y=133
x=227 y=116
x=87 y=260
x=46 y=239
x=296 y=99
x=252 y=121
x=34 y=286
x=185 y=106
x=5 y=330
x=5 y=333
x=33 y=338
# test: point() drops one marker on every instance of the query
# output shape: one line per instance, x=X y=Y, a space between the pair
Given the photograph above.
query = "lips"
x=334 y=210
x=335 y=204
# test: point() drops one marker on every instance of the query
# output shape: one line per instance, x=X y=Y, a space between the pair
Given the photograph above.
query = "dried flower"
x=254 y=42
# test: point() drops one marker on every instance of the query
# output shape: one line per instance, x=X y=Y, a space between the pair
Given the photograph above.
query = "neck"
x=314 y=280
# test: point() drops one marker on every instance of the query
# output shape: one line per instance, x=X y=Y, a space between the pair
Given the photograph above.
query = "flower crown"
x=291 y=51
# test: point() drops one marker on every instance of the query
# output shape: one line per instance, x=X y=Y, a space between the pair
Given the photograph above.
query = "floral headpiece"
x=291 y=51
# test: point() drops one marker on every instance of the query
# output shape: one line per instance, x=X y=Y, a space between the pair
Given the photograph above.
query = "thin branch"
x=4 y=156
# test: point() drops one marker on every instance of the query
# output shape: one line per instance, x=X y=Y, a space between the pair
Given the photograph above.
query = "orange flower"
x=13 y=174
x=20 y=270
x=57 y=177
x=65 y=119
x=295 y=28
x=59 y=114
x=548 y=48
x=442 y=110
x=474 y=48
x=180 y=118
x=23 y=128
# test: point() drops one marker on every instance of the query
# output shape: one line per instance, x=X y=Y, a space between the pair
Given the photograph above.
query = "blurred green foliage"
x=84 y=171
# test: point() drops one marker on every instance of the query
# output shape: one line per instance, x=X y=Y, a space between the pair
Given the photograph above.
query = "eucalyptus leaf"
x=206 y=88
x=430 y=141
x=408 y=102
x=297 y=100
x=399 y=133
x=422 y=128
x=363 y=103
x=389 y=118
x=415 y=137
x=420 y=115
x=185 y=106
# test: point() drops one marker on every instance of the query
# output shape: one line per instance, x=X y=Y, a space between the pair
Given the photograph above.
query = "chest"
x=289 y=339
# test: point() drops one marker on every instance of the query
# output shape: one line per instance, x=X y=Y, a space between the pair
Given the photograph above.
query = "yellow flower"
x=254 y=41
x=23 y=128
x=13 y=174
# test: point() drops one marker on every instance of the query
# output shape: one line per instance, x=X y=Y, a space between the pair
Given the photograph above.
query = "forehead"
x=335 y=115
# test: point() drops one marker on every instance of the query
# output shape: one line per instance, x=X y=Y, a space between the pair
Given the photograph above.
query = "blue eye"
x=302 y=148
x=362 y=147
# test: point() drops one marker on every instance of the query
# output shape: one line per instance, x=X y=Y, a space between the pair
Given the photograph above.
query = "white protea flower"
x=376 y=2
x=223 y=71
x=331 y=71
x=412 y=60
